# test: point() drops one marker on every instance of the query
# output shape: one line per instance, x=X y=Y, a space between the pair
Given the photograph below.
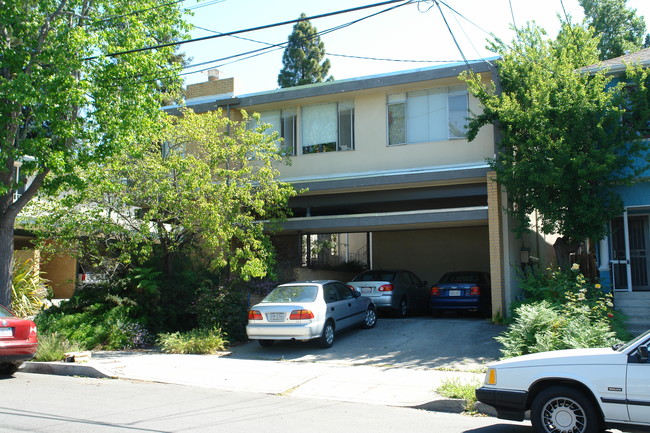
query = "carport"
x=429 y=223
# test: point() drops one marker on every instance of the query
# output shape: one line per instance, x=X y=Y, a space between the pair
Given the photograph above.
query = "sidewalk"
x=379 y=385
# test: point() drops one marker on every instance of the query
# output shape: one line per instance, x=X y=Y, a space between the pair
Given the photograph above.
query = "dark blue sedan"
x=462 y=291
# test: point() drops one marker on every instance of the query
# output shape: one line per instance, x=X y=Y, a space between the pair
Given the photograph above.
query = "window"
x=328 y=127
x=427 y=115
x=284 y=123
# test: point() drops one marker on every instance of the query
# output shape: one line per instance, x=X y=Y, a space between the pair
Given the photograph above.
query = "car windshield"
x=284 y=294
x=4 y=312
x=621 y=347
x=376 y=276
x=461 y=278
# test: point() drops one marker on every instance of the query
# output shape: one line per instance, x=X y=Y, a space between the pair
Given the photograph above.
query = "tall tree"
x=66 y=101
x=569 y=137
x=620 y=29
x=199 y=187
x=302 y=61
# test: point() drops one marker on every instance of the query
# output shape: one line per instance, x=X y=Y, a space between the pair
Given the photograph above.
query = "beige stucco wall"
x=61 y=271
x=372 y=152
x=431 y=253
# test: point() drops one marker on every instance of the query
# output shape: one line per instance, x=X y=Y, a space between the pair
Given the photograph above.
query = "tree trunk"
x=563 y=249
x=6 y=260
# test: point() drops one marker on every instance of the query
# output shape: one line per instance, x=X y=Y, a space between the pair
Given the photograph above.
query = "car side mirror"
x=643 y=353
x=356 y=294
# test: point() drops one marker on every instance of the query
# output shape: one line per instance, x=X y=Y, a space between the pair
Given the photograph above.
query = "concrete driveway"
x=420 y=342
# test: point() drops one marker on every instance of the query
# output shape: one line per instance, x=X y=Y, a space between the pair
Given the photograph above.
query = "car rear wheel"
x=562 y=409
x=327 y=337
x=403 y=309
x=265 y=343
x=8 y=369
x=371 y=318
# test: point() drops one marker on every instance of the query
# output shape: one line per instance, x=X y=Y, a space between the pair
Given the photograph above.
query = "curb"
x=67 y=369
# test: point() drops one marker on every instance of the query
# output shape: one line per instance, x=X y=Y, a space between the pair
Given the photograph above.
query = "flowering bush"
x=562 y=311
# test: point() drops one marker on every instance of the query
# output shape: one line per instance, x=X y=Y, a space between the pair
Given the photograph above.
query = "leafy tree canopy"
x=302 y=61
x=620 y=29
x=569 y=137
x=65 y=101
x=199 y=187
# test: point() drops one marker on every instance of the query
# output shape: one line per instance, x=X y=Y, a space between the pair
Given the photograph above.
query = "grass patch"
x=455 y=388
x=53 y=347
x=196 y=341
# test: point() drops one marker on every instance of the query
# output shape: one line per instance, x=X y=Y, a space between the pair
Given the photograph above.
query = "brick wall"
x=495 y=211
x=213 y=87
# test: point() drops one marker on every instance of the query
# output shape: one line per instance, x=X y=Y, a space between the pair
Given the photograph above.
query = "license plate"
x=6 y=332
x=275 y=317
x=366 y=290
x=454 y=293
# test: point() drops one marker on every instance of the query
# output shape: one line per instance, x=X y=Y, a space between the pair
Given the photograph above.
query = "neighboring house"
x=390 y=180
x=60 y=271
x=624 y=259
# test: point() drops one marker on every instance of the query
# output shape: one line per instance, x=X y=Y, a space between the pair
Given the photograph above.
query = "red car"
x=18 y=341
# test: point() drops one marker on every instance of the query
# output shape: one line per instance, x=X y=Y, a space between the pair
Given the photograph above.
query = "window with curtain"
x=427 y=115
x=284 y=123
x=327 y=127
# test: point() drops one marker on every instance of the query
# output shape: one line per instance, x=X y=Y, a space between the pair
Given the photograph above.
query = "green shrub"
x=197 y=341
x=96 y=327
x=224 y=307
x=540 y=327
x=53 y=347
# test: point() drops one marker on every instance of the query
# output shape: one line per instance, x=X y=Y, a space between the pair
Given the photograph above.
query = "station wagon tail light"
x=254 y=315
x=301 y=315
x=386 y=288
x=474 y=290
x=435 y=291
x=491 y=377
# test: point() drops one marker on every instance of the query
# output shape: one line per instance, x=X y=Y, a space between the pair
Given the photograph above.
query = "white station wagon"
x=573 y=391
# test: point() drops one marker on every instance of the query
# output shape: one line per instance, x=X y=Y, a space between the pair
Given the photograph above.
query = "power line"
x=283 y=44
x=452 y=35
x=267 y=26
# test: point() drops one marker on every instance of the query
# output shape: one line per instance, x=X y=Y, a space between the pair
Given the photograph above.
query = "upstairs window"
x=284 y=123
x=328 y=127
x=427 y=115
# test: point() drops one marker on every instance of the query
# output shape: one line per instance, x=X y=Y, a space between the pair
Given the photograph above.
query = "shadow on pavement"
x=414 y=342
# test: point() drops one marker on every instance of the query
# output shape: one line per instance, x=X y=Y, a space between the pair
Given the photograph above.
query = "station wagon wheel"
x=327 y=337
x=562 y=409
x=370 y=320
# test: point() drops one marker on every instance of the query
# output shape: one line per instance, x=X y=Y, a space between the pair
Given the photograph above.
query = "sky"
x=411 y=32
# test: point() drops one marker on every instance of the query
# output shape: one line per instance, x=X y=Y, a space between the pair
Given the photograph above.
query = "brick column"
x=495 y=230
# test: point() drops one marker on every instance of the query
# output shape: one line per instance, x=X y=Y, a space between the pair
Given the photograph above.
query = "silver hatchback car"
x=307 y=310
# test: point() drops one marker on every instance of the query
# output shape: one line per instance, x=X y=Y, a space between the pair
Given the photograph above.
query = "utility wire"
x=252 y=29
x=453 y=36
x=283 y=44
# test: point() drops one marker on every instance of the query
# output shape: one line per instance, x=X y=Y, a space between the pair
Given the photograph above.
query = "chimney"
x=214 y=88
x=213 y=74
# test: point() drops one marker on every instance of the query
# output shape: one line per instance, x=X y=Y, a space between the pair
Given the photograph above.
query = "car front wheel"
x=327 y=337
x=562 y=409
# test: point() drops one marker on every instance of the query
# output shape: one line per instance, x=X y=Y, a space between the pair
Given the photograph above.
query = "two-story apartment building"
x=388 y=178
